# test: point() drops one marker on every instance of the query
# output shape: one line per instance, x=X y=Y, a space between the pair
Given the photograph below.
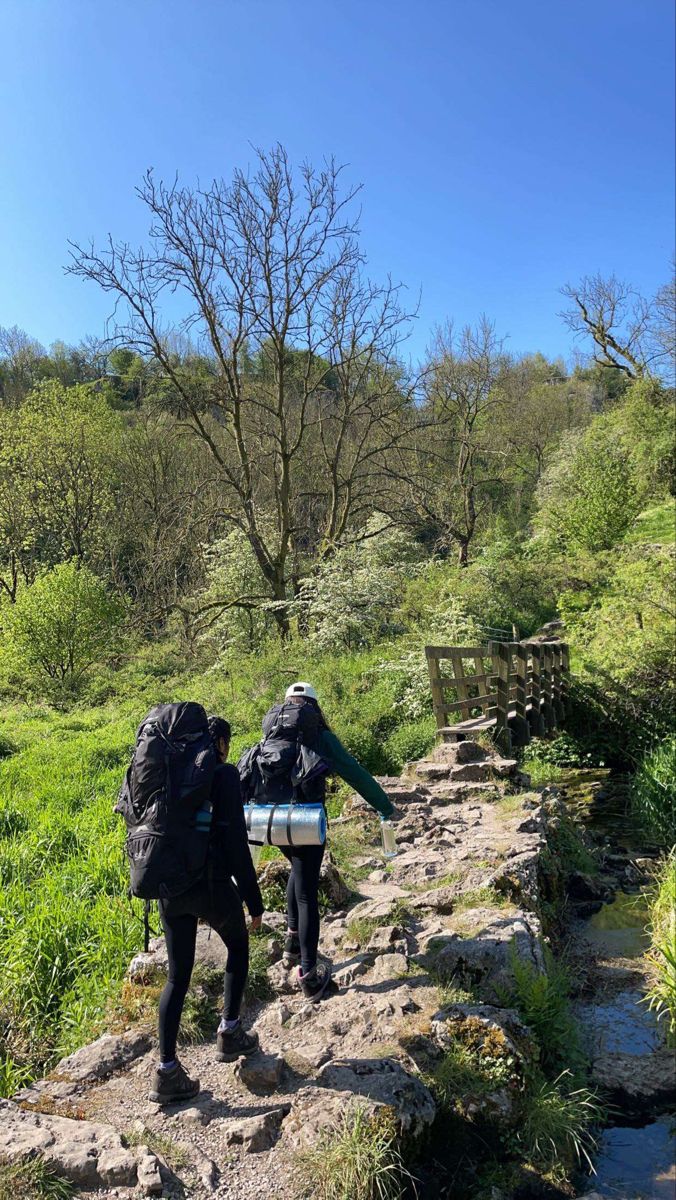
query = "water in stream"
x=634 y=1162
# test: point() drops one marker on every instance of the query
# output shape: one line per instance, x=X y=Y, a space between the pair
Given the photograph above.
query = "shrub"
x=410 y=742
x=61 y=625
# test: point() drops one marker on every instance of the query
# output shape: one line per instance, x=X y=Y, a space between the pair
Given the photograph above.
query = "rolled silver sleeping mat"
x=285 y=824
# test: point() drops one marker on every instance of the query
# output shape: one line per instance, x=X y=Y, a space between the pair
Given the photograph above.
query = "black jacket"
x=229 y=855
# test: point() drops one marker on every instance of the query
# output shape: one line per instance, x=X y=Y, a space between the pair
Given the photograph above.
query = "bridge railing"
x=517 y=690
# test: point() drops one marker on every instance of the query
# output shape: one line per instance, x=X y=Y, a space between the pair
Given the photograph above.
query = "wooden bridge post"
x=557 y=701
x=460 y=685
x=520 y=726
x=565 y=677
x=503 y=656
x=535 y=718
x=435 y=683
x=547 y=707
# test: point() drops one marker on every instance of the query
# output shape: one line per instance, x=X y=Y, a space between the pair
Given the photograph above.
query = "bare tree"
x=301 y=347
x=459 y=462
x=664 y=320
x=618 y=320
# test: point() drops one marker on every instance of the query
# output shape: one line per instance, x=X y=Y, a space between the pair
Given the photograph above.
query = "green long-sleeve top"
x=331 y=748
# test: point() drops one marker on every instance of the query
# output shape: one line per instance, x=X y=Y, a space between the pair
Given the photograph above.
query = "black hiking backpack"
x=166 y=801
x=284 y=767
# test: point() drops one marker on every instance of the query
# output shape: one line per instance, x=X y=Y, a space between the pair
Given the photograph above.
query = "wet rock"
x=581 y=886
x=260 y=1073
x=254 y=1134
x=88 y=1154
x=639 y=1084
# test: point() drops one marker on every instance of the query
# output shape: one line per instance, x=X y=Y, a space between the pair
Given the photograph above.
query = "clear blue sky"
x=505 y=146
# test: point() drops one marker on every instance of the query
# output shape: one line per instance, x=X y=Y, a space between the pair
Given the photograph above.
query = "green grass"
x=655 y=524
x=175 y=1155
x=661 y=996
x=359 y=1160
x=556 y=1130
x=32 y=1180
x=653 y=793
x=542 y=1001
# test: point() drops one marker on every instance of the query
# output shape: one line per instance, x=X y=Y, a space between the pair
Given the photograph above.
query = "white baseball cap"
x=301 y=689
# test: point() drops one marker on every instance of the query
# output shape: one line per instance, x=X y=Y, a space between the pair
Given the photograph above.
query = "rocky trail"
x=423 y=952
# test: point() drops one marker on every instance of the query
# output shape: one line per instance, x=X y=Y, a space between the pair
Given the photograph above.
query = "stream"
x=637 y=1160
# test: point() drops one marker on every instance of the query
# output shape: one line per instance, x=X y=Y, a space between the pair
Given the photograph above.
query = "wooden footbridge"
x=516 y=690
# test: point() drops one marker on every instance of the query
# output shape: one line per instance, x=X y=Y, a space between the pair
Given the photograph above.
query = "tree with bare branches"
x=459 y=463
x=619 y=321
x=297 y=394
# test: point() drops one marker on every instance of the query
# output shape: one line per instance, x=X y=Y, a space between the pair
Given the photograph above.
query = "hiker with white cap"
x=291 y=776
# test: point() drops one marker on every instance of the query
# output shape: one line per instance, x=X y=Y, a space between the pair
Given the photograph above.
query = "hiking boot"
x=291 y=955
x=315 y=983
x=232 y=1043
x=169 y=1087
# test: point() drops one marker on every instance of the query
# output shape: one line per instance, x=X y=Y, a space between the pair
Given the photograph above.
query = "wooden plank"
x=472 y=702
x=437 y=694
x=447 y=681
x=565 y=674
x=521 y=681
x=464 y=651
x=460 y=685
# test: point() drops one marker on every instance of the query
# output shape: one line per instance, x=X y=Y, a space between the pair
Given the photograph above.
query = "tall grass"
x=653 y=793
x=556 y=1132
x=359 y=1160
x=661 y=996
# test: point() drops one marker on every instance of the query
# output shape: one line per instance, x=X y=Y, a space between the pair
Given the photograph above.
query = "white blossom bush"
x=350 y=599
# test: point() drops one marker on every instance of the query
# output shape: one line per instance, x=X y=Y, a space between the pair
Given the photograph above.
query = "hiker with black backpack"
x=290 y=767
x=186 y=842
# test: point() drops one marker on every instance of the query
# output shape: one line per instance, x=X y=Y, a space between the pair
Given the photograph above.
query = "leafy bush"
x=589 y=497
x=410 y=742
x=60 y=626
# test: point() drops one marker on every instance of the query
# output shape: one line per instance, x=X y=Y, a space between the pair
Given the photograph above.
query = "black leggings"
x=220 y=905
x=302 y=899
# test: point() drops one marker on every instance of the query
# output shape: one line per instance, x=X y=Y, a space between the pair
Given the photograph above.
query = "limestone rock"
x=148 y=1174
x=384 y=1081
x=109 y=1053
x=256 y=1133
x=260 y=1073
x=88 y=1154
x=483 y=959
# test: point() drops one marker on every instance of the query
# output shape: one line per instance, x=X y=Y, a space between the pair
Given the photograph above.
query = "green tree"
x=60 y=625
x=589 y=497
x=58 y=478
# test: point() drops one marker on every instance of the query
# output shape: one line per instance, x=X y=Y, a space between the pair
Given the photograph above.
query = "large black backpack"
x=166 y=801
x=286 y=758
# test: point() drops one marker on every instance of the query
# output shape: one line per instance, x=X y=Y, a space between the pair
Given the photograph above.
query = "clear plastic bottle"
x=389 y=838
x=255 y=850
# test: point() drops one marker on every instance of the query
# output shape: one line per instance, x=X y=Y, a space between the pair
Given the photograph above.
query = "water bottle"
x=389 y=838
